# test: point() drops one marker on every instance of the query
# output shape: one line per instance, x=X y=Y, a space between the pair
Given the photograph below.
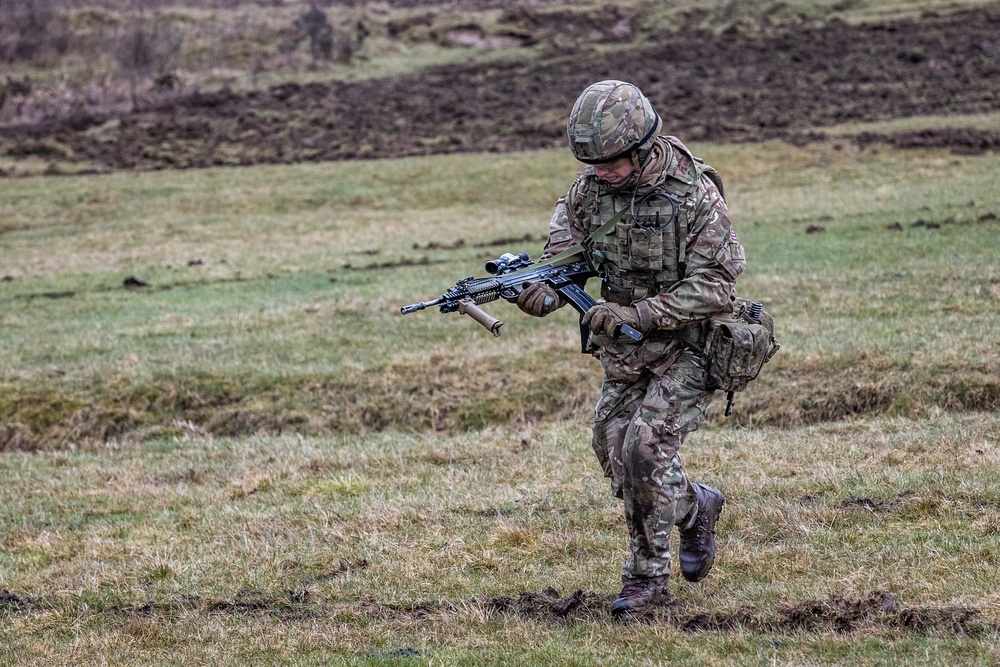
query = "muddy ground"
x=878 y=611
x=749 y=82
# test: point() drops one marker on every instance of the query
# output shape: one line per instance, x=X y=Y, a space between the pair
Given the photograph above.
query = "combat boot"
x=638 y=594
x=698 y=541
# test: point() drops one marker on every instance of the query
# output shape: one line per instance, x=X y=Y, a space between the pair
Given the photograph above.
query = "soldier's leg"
x=619 y=402
x=657 y=493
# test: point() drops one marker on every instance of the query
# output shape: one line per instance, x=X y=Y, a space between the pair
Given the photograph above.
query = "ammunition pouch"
x=737 y=346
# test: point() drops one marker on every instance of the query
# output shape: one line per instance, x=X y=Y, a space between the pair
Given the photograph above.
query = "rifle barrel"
x=406 y=310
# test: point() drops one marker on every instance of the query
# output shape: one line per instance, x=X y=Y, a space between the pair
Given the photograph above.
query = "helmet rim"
x=610 y=120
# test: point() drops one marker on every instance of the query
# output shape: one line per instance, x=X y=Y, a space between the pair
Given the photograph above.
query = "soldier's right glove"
x=539 y=299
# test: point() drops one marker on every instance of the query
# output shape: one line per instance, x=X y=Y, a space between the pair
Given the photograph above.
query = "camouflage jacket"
x=674 y=256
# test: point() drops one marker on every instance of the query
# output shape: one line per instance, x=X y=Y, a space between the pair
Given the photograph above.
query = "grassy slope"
x=260 y=307
x=181 y=548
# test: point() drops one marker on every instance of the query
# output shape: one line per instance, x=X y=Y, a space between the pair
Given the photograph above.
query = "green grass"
x=333 y=545
x=985 y=122
x=265 y=278
x=396 y=483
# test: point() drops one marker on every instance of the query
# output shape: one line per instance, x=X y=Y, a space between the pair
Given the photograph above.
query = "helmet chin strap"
x=638 y=163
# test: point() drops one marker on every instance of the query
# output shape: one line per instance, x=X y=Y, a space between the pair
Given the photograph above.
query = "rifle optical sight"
x=507 y=263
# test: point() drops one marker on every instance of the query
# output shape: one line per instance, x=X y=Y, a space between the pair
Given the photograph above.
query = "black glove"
x=538 y=299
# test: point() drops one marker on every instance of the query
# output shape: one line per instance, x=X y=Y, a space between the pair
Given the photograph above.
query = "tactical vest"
x=644 y=254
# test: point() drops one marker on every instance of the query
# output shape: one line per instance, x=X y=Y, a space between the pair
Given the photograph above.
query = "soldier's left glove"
x=607 y=318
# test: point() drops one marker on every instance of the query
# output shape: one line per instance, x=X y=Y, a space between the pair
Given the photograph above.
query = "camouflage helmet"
x=611 y=120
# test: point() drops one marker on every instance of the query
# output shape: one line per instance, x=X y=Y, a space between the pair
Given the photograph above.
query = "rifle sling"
x=583 y=248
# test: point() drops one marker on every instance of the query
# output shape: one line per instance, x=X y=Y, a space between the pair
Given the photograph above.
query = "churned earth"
x=751 y=81
x=879 y=610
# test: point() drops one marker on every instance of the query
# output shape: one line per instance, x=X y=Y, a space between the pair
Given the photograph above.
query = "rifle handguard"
x=469 y=307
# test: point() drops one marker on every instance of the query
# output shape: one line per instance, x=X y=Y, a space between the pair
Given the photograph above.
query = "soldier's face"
x=614 y=172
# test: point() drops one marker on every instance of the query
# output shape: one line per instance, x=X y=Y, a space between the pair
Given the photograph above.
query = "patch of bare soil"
x=880 y=610
x=961 y=141
x=10 y=603
x=753 y=82
x=548 y=606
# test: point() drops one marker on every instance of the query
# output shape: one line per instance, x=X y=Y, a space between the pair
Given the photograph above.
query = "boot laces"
x=635 y=588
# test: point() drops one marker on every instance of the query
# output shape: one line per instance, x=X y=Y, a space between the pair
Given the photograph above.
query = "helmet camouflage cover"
x=611 y=120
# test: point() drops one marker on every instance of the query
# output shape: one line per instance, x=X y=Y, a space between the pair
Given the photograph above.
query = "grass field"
x=277 y=288
x=253 y=458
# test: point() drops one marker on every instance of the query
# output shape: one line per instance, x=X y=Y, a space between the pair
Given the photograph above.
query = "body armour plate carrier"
x=644 y=254
x=639 y=258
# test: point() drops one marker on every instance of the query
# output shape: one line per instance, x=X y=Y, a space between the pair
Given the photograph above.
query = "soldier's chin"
x=618 y=185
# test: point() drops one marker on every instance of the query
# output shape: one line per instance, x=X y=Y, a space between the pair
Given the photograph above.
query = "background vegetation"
x=221 y=443
x=269 y=304
x=258 y=42
x=267 y=299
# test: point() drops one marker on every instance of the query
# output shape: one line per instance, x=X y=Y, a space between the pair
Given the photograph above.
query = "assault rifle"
x=566 y=273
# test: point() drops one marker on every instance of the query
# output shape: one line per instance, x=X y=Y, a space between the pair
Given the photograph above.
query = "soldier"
x=669 y=263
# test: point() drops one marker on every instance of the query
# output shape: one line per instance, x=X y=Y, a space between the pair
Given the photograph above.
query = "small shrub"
x=145 y=50
x=314 y=25
x=31 y=29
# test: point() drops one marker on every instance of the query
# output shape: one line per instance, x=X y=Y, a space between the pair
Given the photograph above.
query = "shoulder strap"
x=699 y=166
x=605 y=228
x=569 y=254
x=712 y=173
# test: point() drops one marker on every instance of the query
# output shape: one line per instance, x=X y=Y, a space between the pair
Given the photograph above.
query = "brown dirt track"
x=880 y=610
x=750 y=82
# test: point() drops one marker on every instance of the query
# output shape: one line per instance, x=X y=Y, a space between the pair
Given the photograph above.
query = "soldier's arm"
x=714 y=260
x=566 y=228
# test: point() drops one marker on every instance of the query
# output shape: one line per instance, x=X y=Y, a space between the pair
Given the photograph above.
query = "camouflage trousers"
x=640 y=424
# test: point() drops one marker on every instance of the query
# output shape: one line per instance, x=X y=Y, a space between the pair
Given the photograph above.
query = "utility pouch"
x=737 y=346
x=640 y=247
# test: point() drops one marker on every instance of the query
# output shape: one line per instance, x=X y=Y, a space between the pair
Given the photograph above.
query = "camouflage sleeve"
x=565 y=227
x=714 y=260
x=560 y=231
